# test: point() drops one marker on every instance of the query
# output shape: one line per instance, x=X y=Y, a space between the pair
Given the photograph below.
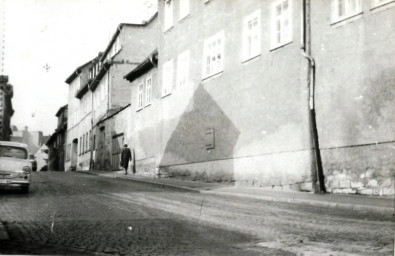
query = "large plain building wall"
x=258 y=109
x=144 y=126
x=355 y=88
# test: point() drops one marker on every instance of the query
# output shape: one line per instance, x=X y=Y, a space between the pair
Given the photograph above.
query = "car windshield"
x=15 y=152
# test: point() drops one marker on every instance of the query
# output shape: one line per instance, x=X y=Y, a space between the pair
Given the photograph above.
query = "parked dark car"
x=33 y=162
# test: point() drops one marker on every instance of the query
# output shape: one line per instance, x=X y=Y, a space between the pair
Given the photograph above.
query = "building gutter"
x=306 y=52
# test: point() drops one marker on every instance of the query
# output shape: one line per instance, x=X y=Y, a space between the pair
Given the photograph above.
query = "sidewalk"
x=374 y=204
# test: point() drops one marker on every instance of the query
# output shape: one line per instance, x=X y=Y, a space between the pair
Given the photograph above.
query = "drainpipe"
x=306 y=52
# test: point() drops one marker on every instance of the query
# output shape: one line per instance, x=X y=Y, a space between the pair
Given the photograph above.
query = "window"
x=342 y=9
x=281 y=23
x=252 y=35
x=94 y=142
x=213 y=55
x=148 y=91
x=381 y=2
x=140 y=95
x=83 y=143
x=184 y=8
x=168 y=14
x=167 y=78
x=182 y=69
x=86 y=142
x=80 y=145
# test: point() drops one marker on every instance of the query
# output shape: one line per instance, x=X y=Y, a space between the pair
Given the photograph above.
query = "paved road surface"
x=81 y=214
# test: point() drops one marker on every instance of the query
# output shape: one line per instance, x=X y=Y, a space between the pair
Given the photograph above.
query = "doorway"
x=74 y=154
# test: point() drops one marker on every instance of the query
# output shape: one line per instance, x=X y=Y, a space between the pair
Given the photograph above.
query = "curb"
x=334 y=205
x=188 y=189
x=345 y=206
x=3 y=232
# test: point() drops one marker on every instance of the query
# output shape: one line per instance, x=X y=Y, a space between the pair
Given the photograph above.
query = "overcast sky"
x=60 y=35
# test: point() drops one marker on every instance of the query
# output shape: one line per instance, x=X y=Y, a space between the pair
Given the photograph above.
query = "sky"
x=46 y=40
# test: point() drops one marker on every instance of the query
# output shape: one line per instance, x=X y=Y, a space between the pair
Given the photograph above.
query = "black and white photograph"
x=197 y=127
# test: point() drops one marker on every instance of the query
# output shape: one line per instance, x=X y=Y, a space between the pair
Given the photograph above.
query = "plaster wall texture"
x=105 y=132
x=257 y=108
x=144 y=132
x=137 y=43
x=355 y=88
x=78 y=122
x=100 y=99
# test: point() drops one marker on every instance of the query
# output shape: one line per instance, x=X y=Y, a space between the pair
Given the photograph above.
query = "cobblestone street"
x=74 y=213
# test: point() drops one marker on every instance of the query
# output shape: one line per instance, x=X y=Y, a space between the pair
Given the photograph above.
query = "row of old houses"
x=279 y=94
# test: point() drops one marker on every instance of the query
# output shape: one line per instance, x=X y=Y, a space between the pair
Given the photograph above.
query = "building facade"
x=144 y=115
x=105 y=96
x=6 y=110
x=79 y=115
x=248 y=93
x=56 y=143
x=355 y=88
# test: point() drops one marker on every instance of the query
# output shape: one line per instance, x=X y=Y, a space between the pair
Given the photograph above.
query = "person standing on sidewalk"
x=126 y=157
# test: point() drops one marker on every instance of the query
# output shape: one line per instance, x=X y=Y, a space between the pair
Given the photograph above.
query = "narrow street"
x=82 y=214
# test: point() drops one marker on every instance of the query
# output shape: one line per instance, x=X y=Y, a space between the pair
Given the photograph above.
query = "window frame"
x=183 y=69
x=168 y=14
x=210 y=50
x=284 y=38
x=167 y=78
x=378 y=3
x=140 y=95
x=249 y=33
x=348 y=13
x=184 y=9
x=148 y=91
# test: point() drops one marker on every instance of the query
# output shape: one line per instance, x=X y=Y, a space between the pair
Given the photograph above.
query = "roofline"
x=76 y=72
x=143 y=67
x=105 y=67
x=118 y=31
x=61 y=109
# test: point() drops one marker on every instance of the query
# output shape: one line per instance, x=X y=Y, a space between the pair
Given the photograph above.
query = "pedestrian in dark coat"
x=126 y=157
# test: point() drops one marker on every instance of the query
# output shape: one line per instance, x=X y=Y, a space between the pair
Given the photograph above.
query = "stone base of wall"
x=280 y=171
x=213 y=171
x=146 y=167
x=367 y=170
x=285 y=171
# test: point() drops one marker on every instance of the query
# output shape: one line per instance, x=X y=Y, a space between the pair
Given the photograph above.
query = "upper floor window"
x=184 y=8
x=182 y=69
x=381 y=2
x=213 y=55
x=281 y=23
x=342 y=9
x=148 y=91
x=140 y=95
x=251 y=35
x=168 y=14
x=167 y=80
